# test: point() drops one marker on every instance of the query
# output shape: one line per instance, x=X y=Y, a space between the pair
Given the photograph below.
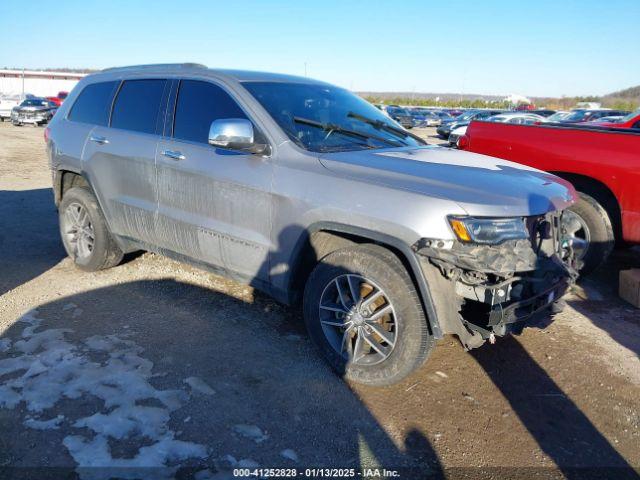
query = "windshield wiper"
x=380 y=125
x=330 y=127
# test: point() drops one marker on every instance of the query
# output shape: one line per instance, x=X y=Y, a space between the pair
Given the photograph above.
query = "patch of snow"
x=251 y=431
x=48 y=368
x=53 y=424
x=199 y=385
x=248 y=463
x=69 y=306
x=5 y=345
x=290 y=454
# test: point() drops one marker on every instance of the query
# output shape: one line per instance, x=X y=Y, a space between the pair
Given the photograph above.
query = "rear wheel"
x=364 y=315
x=589 y=226
x=84 y=231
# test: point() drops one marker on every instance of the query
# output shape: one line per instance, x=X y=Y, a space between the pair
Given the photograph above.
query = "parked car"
x=35 y=111
x=59 y=98
x=8 y=102
x=445 y=129
x=583 y=115
x=543 y=112
x=311 y=194
x=456 y=134
x=607 y=119
x=603 y=165
x=401 y=115
x=423 y=117
x=517 y=117
x=444 y=115
x=631 y=120
x=558 y=116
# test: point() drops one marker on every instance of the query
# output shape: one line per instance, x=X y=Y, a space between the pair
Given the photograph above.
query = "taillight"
x=46 y=135
x=462 y=142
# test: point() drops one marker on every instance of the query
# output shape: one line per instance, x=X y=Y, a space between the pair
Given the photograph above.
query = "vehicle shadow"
x=580 y=451
x=254 y=356
x=597 y=299
x=29 y=239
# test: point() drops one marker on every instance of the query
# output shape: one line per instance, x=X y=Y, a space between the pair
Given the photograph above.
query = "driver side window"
x=198 y=104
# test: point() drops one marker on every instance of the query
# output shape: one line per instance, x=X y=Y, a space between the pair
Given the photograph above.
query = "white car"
x=7 y=102
x=521 y=118
x=455 y=134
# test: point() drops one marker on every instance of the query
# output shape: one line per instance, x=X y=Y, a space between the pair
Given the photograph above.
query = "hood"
x=33 y=108
x=481 y=185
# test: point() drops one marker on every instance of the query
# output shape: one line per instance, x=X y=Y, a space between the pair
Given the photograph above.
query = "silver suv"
x=313 y=195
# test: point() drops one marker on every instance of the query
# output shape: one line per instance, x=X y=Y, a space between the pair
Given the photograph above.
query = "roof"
x=196 y=68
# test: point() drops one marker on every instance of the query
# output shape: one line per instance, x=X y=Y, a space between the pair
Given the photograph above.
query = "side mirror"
x=235 y=134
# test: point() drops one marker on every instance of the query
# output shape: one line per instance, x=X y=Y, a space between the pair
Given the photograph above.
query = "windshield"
x=34 y=102
x=324 y=118
x=577 y=116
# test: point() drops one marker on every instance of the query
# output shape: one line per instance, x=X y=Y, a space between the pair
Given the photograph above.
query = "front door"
x=214 y=204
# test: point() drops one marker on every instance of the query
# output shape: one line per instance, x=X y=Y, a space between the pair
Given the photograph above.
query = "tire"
x=380 y=269
x=104 y=252
x=597 y=229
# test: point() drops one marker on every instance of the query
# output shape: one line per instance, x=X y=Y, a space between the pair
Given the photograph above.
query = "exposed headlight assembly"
x=488 y=231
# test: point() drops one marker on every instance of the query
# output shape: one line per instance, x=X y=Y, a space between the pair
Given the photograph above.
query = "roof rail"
x=156 y=65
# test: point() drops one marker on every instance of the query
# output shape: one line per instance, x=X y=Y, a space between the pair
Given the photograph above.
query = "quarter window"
x=93 y=104
x=138 y=105
x=200 y=103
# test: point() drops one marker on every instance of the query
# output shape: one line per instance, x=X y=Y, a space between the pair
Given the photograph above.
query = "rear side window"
x=93 y=104
x=138 y=105
x=199 y=104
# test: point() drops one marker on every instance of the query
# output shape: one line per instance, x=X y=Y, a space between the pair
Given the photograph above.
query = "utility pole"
x=305 y=69
x=23 y=83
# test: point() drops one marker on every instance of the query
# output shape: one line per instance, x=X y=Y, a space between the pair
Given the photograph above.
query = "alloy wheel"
x=78 y=232
x=358 y=319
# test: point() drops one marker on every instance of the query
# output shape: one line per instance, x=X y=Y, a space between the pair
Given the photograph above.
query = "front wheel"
x=84 y=232
x=588 y=224
x=364 y=315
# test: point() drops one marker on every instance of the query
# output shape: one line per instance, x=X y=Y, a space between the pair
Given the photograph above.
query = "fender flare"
x=407 y=253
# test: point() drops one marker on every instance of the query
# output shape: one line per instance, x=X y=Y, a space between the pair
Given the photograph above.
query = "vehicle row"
x=29 y=109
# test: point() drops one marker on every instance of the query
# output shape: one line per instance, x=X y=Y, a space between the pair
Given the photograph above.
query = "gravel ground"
x=155 y=363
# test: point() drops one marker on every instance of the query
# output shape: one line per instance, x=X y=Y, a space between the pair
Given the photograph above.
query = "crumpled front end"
x=483 y=291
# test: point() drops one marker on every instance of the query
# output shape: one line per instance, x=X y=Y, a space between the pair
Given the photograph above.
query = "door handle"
x=173 y=154
x=98 y=139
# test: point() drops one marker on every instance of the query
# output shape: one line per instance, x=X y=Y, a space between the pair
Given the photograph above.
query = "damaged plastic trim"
x=485 y=289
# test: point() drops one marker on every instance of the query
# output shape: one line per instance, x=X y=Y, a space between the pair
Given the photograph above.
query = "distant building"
x=42 y=84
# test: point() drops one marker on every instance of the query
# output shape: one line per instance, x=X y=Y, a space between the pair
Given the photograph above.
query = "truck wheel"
x=84 y=232
x=364 y=315
x=589 y=225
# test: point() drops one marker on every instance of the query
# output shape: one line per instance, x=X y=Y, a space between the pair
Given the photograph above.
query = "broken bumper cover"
x=483 y=291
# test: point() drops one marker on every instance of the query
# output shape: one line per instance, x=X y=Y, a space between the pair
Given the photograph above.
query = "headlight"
x=488 y=230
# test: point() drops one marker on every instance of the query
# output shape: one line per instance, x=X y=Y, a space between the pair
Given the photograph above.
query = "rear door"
x=91 y=108
x=214 y=204
x=120 y=159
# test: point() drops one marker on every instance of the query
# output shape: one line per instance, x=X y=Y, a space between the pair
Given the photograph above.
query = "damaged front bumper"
x=483 y=291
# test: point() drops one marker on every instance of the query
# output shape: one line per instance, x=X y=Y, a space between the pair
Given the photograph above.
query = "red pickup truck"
x=602 y=163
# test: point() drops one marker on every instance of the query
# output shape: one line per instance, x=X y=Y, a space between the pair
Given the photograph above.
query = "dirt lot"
x=154 y=363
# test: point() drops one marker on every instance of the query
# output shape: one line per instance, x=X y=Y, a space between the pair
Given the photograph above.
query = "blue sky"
x=542 y=47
